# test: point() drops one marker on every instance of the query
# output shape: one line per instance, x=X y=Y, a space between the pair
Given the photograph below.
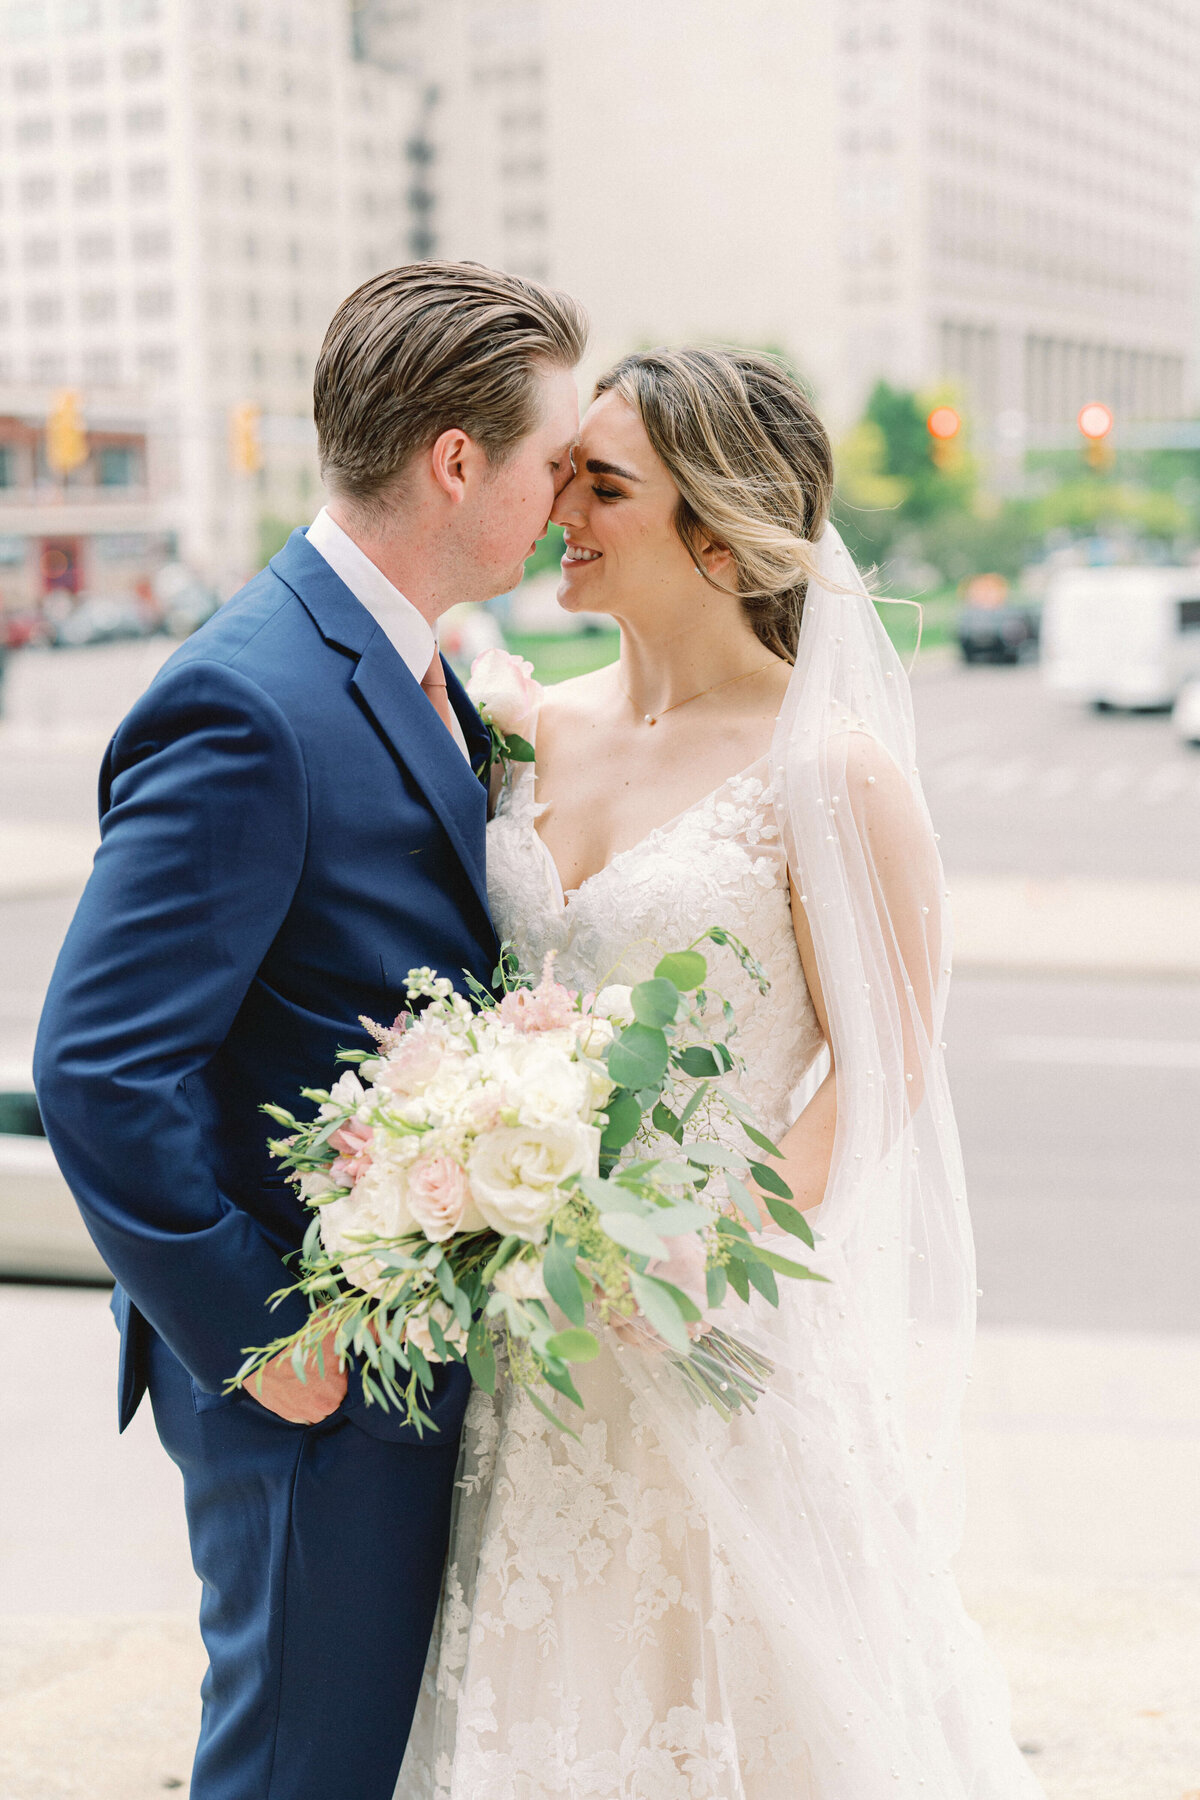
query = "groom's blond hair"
x=432 y=347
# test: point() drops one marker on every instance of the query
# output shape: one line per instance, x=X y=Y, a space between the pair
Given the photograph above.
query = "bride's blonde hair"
x=753 y=465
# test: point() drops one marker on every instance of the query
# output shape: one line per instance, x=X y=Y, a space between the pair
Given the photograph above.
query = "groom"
x=292 y=817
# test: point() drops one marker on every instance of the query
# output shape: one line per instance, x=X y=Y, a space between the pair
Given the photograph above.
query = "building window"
x=96 y=246
x=137 y=65
x=145 y=119
x=93 y=186
x=48 y=365
x=148 y=181
x=44 y=309
x=89 y=127
x=101 y=366
x=34 y=131
x=37 y=190
x=31 y=78
x=152 y=243
x=8 y=466
x=81 y=15
x=117 y=466
x=140 y=12
x=154 y=303
x=41 y=253
x=85 y=71
x=157 y=359
x=98 y=306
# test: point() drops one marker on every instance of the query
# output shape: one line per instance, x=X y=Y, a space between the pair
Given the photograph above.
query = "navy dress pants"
x=321 y=1551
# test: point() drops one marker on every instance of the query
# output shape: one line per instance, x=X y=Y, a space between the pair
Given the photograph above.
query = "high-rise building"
x=186 y=192
x=989 y=193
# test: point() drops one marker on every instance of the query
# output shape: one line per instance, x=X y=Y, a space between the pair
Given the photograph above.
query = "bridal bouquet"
x=491 y=1157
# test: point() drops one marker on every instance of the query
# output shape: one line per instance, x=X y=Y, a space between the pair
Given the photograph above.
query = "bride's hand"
x=684 y=1267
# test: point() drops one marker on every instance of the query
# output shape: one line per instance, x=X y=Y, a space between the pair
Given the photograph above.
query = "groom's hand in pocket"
x=307 y=1402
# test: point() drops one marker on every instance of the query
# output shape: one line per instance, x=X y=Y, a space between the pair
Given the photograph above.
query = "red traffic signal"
x=1095 y=420
x=943 y=423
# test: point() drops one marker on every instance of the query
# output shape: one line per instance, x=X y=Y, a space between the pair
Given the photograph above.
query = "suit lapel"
x=406 y=719
x=396 y=705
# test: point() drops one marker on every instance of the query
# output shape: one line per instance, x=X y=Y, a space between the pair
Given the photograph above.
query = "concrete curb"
x=1069 y=925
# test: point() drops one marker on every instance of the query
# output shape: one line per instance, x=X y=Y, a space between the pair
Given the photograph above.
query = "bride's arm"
x=808 y=1145
x=901 y=864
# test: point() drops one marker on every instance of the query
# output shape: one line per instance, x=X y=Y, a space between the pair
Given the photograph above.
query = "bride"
x=669 y=1607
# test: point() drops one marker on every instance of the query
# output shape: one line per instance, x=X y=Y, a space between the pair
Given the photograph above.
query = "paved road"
x=1022 y=782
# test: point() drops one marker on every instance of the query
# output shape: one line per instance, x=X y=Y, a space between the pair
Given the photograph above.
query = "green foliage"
x=548 y=554
x=274 y=532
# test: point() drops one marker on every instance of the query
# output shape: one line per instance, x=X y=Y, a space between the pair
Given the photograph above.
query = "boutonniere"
x=506 y=697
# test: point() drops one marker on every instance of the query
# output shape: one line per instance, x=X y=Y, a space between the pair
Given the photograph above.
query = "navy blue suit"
x=287 y=828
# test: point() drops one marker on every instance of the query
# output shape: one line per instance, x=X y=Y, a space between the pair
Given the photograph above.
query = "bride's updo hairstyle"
x=753 y=465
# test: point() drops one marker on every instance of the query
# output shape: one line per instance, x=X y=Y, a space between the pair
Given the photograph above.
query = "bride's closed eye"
x=603 y=493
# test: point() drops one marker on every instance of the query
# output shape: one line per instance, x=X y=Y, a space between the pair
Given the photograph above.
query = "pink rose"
x=354 y=1142
x=504 y=691
x=412 y=1065
x=437 y=1196
x=548 y=1007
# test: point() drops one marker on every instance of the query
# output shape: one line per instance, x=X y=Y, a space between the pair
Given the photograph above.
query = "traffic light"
x=943 y=426
x=1095 y=422
x=245 y=444
x=66 y=439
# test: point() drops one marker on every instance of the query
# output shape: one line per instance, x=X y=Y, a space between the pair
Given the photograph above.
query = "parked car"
x=41 y=1233
x=1123 y=637
x=103 y=619
x=1186 y=714
x=183 y=601
x=1004 y=633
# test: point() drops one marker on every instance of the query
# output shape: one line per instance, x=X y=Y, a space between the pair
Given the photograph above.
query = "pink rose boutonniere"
x=506 y=697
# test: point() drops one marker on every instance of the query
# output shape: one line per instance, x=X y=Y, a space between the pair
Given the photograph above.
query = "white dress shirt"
x=409 y=632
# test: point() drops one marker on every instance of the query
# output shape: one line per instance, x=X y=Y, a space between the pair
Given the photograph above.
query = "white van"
x=1122 y=637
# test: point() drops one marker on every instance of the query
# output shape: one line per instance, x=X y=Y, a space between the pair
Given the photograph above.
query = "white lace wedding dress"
x=673 y=1608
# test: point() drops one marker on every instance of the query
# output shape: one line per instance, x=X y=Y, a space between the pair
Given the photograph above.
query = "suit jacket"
x=287 y=828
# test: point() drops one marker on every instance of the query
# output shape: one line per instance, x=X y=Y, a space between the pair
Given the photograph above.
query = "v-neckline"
x=565 y=893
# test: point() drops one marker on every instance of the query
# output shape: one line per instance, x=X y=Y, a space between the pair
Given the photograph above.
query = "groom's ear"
x=456 y=463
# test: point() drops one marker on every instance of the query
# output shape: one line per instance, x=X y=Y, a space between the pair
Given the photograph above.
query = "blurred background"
x=971 y=226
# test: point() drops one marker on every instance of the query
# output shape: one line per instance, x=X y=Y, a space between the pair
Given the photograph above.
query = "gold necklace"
x=653 y=718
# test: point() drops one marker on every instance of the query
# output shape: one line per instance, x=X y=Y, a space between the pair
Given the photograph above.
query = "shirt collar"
x=408 y=630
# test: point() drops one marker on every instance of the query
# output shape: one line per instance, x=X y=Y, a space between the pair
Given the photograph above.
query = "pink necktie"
x=433 y=686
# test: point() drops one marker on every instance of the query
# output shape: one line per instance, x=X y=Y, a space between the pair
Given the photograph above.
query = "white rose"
x=516 y=1173
x=377 y=1208
x=503 y=690
x=315 y=1185
x=542 y=1082
x=416 y=1330
x=615 y=1002
x=346 y=1091
x=522 y=1279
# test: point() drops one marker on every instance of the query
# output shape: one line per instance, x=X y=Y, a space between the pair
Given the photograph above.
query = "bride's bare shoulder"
x=579 y=698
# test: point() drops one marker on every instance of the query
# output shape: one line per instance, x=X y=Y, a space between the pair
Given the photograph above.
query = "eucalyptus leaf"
x=770 y=1181
x=664 y=1120
x=696 y=1060
x=634 y=1232
x=716 y=1281
x=762 y=1277
x=574 y=1346
x=688 y=1310
x=638 y=1058
x=686 y=968
x=558 y=1378
x=759 y=1138
x=685 y=1215
x=558 y=1272
x=738 y=1281
x=659 y=1309
x=784 y=1266
x=791 y=1219
x=714 y=1156
x=624 y=1121
x=655 y=1002
x=744 y=1200
x=611 y=1196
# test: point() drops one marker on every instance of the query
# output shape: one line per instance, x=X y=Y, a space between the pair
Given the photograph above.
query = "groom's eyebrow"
x=596 y=467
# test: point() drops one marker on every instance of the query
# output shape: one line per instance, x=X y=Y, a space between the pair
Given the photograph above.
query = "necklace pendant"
x=650 y=719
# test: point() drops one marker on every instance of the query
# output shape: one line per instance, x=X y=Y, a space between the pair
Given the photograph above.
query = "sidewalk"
x=1081 y=1563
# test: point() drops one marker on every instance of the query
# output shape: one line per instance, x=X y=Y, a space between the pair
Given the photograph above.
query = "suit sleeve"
x=202 y=843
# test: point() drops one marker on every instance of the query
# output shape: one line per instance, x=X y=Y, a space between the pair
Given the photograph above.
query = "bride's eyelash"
x=607 y=493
